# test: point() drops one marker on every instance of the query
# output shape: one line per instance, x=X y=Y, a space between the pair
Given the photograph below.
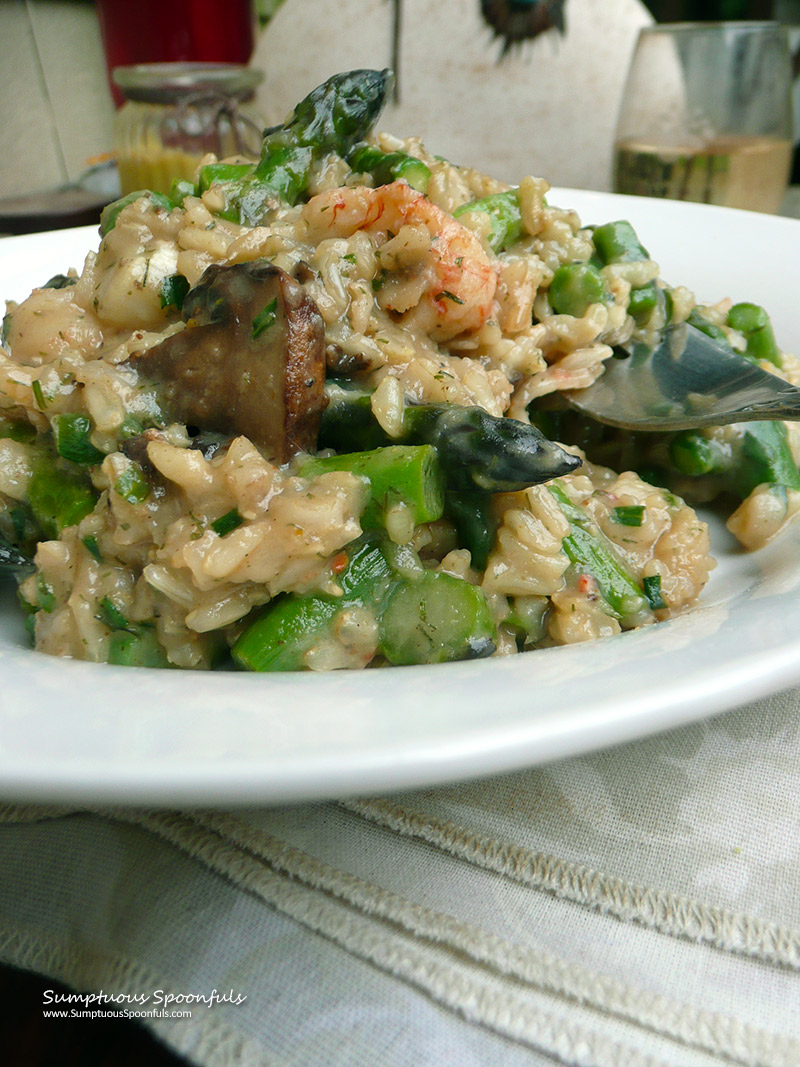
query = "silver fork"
x=687 y=380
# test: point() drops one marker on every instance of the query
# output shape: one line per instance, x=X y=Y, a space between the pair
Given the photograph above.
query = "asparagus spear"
x=137 y=647
x=337 y=114
x=473 y=516
x=477 y=451
x=593 y=554
x=479 y=454
x=334 y=117
x=643 y=301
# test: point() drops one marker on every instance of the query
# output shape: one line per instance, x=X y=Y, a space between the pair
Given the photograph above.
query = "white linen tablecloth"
x=635 y=906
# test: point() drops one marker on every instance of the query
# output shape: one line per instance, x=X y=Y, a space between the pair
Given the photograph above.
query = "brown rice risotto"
x=304 y=414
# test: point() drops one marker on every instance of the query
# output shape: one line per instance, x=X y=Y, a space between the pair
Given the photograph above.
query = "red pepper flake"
x=339 y=562
x=586 y=584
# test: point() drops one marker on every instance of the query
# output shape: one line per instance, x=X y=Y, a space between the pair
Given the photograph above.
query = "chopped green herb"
x=90 y=544
x=652 y=590
x=227 y=522
x=28 y=608
x=132 y=485
x=592 y=553
x=38 y=395
x=266 y=318
x=60 y=281
x=45 y=597
x=71 y=434
x=111 y=616
x=447 y=295
x=173 y=291
x=630 y=515
x=136 y=648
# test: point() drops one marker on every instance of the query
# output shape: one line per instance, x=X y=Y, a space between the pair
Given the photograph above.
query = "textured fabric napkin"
x=635 y=906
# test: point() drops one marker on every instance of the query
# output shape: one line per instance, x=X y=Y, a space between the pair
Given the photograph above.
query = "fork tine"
x=688 y=380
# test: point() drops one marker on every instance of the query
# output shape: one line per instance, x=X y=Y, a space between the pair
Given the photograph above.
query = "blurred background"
x=555 y=65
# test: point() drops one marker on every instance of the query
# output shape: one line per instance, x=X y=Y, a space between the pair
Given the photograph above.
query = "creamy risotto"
x=306 y=414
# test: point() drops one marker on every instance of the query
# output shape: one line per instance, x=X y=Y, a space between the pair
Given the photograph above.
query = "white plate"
x=73 y=731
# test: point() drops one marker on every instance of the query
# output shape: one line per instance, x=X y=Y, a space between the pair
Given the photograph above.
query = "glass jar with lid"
x=175 y=113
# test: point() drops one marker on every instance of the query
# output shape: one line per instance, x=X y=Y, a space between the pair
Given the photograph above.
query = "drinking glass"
x=706 y=115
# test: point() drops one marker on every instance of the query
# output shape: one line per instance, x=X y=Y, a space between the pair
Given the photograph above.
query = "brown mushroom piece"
x=250 y=361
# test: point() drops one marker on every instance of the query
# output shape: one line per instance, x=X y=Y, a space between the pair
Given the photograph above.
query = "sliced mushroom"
x=250 y=361
x=135 y=448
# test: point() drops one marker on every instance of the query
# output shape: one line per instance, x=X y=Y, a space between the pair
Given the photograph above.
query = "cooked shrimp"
x=431 y=270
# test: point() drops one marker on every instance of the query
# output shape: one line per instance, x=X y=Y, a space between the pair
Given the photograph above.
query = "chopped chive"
x=90 y=544
x=111 y=616
x=265 y=318
x=173 y=291
x=227 y=522
x=72 y=435
x=447 y=295
x=592 y=553
x=45 y=597
x=138 y=647
x=630 y=515
x=652 y=590
x=132 y=485
x=38 y=395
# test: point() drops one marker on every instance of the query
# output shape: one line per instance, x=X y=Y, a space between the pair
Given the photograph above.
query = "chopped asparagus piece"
x=407 y=473
x=436 y=618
